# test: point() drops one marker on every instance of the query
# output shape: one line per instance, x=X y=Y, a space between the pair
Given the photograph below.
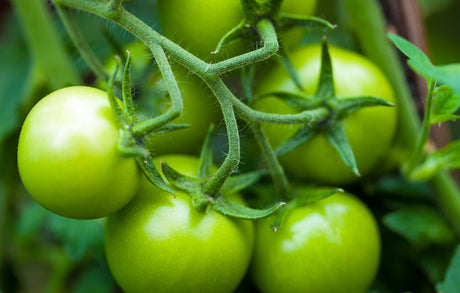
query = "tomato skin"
x=68 y=156
x=161 y=243
x=370 y=131
x=199 y=25
x=330 y=246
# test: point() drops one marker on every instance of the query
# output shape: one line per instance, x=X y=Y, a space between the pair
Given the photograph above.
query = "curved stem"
x=176 y=101
x=80 y=43
x=416 y=156
x=233 y=157
x=276 y=170
x=267 y=33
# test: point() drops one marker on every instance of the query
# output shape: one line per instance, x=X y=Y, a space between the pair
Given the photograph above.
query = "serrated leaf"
x=337 y=137
x=285 y=60
x=152 y=174
x=205 y=165
x=77 y=236
x=446 y=158
x=444 y=105
x=451 y=283
x=326 y=81
x=231 y=208
x=420 y=225
x=239 y=182
x=302 y=135
x=348 y=105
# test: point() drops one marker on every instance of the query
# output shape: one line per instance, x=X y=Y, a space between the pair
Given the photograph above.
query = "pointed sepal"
x=127 y=92
x=348 y=105
x=285 y=60
x=302 y=135
x=337 y=137
x=152 y=174
x=325 y=89
x=287 y=21
x=238 y=32
x=239 y=182
x=231 y=208
x=298 y=101
x=206 y=162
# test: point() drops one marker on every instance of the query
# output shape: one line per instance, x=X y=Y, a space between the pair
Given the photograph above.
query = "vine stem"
x=276 y=171
x=232 y=159
x=416 y=156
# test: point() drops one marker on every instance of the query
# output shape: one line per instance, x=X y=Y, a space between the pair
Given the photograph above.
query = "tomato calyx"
x=301 y=196
x=222 y=202
x=338 y=108
x=255 y=10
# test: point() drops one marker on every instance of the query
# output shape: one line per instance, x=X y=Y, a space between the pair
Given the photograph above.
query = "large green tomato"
x=161 y=243
x=199 y=25
x=370 y=130
x=330 y=246
x=68 y=157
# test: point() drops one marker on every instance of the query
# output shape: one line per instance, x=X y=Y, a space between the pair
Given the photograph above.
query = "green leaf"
x=446 y=158
x=77 y=236
x=349 y=105
x=205 y=166
x=445 y=104
x=337 y=137
x=420 y=225
x=228 y=207
x=285 y=60
x=325 y=89
x=451 y=283
x=409 y=49
x=239 y=182
x=302 y=135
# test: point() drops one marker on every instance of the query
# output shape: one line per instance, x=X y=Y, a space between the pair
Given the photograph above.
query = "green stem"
x=416 y=156
x=43 y=39
x=233 y=157
x=171 y=84
x=80 y=43
x=276 y=170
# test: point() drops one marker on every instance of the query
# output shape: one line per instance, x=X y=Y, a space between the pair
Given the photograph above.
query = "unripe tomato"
x=161 y=243
x=369 y=130
x=68 y=155
x=330 y=246
x=199 y=25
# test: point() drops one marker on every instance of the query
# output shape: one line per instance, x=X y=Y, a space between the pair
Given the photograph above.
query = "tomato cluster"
x=70 y=163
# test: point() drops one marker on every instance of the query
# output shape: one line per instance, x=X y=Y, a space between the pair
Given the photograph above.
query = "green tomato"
x=161 y=243
x=370 y=131
x=68 y=155
x=199 y=25
x=332 y=245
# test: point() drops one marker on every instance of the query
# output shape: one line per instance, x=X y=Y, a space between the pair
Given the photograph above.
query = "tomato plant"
x=332 y=245
x=199 y=25
x=161 y=243
x=369 y=131
x=68 y=156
